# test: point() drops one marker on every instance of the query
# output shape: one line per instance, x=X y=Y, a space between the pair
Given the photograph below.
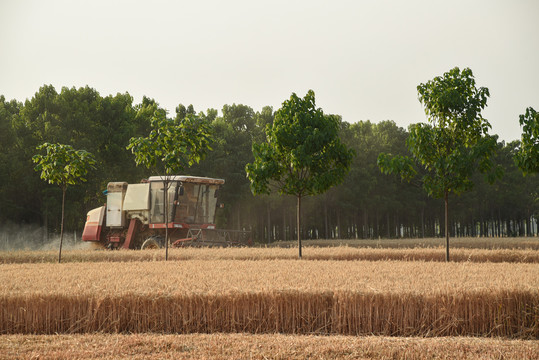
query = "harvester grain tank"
x=134 y=215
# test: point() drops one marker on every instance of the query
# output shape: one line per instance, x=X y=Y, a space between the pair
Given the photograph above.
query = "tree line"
x=367 y=204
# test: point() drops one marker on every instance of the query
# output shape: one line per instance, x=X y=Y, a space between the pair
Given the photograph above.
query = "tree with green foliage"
x=303 y=154
x=62 y=165
x=172 y=146
x=527 y=157
x=453 y=145
x=368 y=204
x=235 y=131
x=85 y=120
x=9 y=156
x=366 y=192
x=182 y=111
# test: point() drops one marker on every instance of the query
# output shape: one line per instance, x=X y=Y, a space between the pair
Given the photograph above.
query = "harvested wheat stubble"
x=310 y=253
x=326 y=297
x=246 y=346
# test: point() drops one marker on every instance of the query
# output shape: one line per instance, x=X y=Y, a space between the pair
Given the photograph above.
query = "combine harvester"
x=134 y=215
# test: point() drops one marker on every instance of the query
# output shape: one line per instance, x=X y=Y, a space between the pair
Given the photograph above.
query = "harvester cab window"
x=197 y=205
x=206 y=202
x=157 y=199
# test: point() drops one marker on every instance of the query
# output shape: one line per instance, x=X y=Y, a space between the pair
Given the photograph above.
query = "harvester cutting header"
x=134 y=215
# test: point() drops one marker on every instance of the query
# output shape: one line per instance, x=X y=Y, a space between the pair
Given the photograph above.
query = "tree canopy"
x=63 y=166
x=527 y=156
x=172 y=146
x=302 y=154
x=453 y=144
x=367 y=204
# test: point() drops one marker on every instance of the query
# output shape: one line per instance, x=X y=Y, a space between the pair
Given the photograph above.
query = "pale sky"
x=363 y=59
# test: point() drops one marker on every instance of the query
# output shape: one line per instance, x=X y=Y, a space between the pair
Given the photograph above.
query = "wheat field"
x=397 y=298
x=274 y=346
x=492 y=243
x=309 y=253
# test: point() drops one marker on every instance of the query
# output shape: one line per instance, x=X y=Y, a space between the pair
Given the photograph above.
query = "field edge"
x=267 y=346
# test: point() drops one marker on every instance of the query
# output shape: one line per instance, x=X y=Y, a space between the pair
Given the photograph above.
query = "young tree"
x=455 y=142
x=302 y=155
x=63 y=166
x=172 y=146
x=527 y=157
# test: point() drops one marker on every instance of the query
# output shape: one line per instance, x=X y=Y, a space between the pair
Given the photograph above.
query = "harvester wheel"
x=150 y=243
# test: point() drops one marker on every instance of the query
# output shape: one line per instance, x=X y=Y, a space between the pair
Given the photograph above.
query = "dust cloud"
x=15 y=237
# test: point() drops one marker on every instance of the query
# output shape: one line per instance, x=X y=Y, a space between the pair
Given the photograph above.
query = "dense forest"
x=367 y=204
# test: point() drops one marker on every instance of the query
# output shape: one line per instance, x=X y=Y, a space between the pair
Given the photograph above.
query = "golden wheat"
x=245 y=346
x=289 y=296
x=218 y=276
x=309 y=253
x=456 y=242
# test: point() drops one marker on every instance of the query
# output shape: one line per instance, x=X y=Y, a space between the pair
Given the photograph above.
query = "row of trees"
x=368 y=204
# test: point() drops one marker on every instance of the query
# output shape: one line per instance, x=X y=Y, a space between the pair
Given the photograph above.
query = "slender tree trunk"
x=64 y=188
x=284 y=223
x=293 y=234
x=268 y=208
x=446 y=198
x=238 y=218
x=338 y=234
x=165 y=194
x=397 y=226
x=423 y=222
x=326 y=225
x=388 y=226
x=298 y=212
x=365 y=224
x=483 y=228
x=528 y=225
x=377 y=228
x=45 y=239
x=499 y=224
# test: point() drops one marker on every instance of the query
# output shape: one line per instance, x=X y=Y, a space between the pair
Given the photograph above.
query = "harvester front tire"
x=150 y=243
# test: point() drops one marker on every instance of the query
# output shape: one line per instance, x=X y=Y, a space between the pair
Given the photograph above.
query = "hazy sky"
x=363 y=59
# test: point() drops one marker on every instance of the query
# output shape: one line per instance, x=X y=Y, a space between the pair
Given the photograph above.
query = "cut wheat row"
x=327 y=297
